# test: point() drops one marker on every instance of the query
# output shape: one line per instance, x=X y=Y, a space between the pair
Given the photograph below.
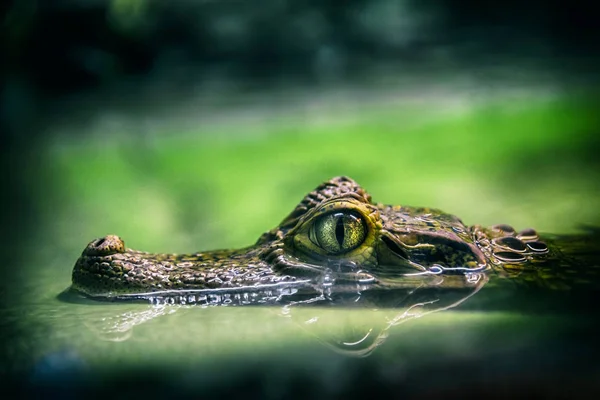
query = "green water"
x=523 y=160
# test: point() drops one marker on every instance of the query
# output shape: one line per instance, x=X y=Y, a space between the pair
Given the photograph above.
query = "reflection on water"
x=359 y=339
x=311 y=309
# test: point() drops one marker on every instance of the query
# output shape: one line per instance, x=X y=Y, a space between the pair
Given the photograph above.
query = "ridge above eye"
x=338 y=232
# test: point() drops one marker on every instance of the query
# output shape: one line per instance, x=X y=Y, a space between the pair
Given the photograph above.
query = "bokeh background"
x=192 y=125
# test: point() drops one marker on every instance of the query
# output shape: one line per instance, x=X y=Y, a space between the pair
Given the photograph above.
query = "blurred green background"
x=200 y=125
x=495 y=160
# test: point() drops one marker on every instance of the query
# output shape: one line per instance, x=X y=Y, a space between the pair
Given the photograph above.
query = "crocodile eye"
x=338 y=232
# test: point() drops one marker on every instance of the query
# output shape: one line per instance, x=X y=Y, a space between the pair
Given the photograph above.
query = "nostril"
x=110 y=244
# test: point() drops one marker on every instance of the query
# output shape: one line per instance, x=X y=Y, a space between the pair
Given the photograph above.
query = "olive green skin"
x=402 y=246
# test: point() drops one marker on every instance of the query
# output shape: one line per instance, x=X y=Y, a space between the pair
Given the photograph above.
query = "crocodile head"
x=336 y=233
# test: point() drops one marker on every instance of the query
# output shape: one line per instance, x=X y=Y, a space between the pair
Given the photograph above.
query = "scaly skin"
x=401 y=246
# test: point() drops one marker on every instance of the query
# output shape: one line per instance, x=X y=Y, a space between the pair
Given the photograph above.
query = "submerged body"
x=336 y=234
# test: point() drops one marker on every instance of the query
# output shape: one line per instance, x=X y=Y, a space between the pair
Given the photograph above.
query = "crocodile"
x=337 y=234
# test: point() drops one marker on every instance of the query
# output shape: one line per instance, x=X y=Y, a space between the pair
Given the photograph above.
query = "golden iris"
x=338 y=232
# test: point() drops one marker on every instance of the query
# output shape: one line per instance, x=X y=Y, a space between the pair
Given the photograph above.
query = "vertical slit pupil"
x=339 y=230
